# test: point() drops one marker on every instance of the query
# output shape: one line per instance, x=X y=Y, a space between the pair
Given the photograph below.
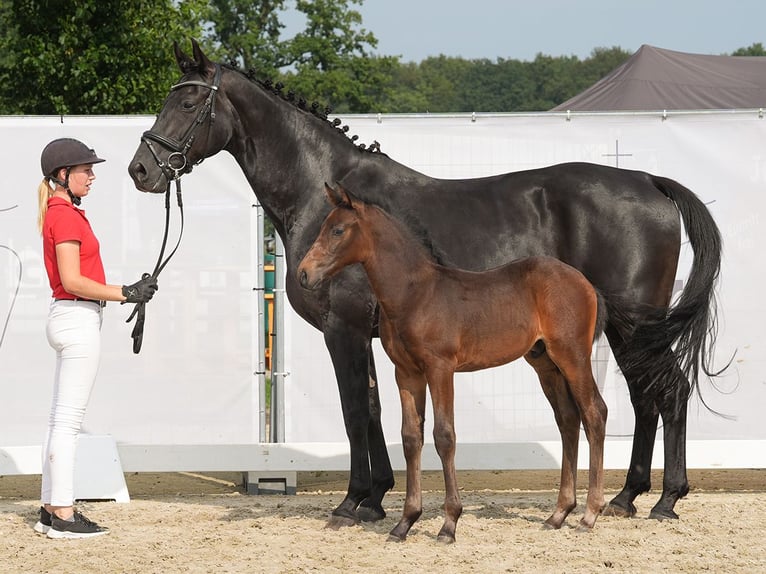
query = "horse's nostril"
x=303 y=278
x=137 y=171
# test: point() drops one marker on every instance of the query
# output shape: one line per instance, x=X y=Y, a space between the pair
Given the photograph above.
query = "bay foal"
x=436 y=320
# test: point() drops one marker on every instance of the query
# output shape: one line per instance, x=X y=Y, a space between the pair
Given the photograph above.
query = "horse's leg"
x=349 y=349
x=412 y=394
x=371 y=508
x=673 y=406
x=441 y=386
x=568 y=420
x=638 y=479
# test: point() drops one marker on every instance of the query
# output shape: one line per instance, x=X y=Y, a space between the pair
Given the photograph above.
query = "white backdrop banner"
x=719 y=156
x=193 y=382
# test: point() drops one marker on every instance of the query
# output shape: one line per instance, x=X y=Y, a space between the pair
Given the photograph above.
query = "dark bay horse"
x=620 y=228
x=441 y=320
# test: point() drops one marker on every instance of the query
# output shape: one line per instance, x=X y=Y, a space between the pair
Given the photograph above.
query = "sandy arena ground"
x=205 y=523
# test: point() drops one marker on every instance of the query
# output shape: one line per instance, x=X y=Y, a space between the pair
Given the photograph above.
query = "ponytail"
x=44 y=192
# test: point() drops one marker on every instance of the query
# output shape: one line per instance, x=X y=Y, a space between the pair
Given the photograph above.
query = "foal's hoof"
x=445 y=539
x=552 y=524
x=336 y=522
x=583 y=527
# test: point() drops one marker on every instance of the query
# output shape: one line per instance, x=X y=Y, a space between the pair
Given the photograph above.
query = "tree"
x=90 y=57
x=331 y=58
x=756 y=49
x=247 y=32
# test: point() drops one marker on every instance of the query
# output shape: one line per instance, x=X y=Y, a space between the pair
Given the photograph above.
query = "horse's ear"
x=203 y=64
x=184 y=62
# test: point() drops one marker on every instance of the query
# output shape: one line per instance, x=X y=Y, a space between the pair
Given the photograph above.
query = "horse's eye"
x=337 y=231
x=187 y=105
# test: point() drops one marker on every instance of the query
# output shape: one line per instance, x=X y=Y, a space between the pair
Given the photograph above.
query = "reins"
x=175 y=166
x=139 y=311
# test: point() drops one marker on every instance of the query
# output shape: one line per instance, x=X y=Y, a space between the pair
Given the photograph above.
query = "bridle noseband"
x=177 y=165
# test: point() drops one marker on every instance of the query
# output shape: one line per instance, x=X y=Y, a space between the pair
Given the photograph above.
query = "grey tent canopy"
x=657 y=79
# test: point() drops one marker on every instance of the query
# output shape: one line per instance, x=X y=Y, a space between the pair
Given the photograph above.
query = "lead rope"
x=139 y=311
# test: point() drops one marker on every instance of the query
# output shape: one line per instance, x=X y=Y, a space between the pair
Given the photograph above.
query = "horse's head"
x=339 y=242
x=188 y=128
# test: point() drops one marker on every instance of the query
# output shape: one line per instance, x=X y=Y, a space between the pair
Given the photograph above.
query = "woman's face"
x=80 y=179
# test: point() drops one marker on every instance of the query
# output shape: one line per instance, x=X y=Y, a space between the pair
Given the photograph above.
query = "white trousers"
x=74 y=332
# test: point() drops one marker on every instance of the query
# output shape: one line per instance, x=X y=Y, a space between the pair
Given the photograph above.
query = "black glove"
x=141 y=291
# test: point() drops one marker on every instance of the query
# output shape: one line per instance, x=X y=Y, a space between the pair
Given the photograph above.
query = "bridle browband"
x=176 y=165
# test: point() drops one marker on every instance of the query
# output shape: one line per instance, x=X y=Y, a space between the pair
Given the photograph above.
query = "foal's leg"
x=593 y=411
x=412 y=394
x=568 y=420
x=441 y=386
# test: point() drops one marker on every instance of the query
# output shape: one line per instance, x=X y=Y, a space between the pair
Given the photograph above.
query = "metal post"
x=258 y=356
x=278 y=374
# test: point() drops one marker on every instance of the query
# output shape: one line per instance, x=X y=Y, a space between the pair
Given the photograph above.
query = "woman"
x=76 y=275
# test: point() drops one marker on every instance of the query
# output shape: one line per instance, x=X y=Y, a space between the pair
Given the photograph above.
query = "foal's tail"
x=689 y=326
x=602 y=315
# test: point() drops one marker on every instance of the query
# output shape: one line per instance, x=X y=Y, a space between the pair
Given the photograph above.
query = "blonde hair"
x=44 y=192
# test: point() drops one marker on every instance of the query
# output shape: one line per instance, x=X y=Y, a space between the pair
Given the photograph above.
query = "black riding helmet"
x=66 y=152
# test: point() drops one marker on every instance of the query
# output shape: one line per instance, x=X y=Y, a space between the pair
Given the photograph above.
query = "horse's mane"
x=315 y=109
x=409 y=220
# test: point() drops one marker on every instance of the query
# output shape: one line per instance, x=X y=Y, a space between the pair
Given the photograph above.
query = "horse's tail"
x=689 y=326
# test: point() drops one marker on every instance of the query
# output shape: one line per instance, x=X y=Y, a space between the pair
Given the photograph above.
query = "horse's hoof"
x=619 y=511
x=370 y=514
x=396 y=538
x=658 y=514
x=336 y=522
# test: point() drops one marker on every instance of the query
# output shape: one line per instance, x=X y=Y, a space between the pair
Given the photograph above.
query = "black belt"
x=99 y=303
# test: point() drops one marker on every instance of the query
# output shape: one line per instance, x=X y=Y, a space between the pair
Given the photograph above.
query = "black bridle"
x=176 y=165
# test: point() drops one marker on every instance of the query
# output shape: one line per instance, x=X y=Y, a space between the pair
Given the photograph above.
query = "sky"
x=519 y=30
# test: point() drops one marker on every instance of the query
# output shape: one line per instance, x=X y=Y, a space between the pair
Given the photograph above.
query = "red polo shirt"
x=64 y=222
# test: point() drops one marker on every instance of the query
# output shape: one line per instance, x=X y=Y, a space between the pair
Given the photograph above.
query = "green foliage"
x=89 y=57
x=247 y=33
x=756 y=49
x=445 y=84
x=115 y=57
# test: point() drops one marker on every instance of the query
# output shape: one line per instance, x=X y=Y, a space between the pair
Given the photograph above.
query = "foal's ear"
x=337 y=197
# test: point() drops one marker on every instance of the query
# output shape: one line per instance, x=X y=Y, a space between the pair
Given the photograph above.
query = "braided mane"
x=314 y=109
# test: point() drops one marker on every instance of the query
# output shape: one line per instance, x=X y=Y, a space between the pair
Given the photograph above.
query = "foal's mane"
x=412 y=226
x=315 y=109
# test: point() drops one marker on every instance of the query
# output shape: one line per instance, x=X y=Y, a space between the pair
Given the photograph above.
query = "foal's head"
x=341 y=240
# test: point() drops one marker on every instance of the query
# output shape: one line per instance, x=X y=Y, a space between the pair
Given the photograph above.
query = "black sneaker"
x=78 y=527
x=44 y=524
